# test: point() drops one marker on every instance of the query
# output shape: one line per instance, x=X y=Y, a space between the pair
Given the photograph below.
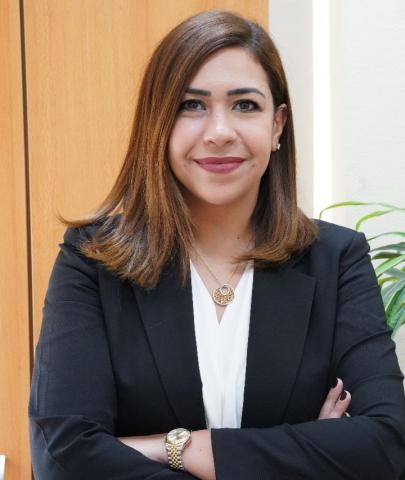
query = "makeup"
x=219 y=164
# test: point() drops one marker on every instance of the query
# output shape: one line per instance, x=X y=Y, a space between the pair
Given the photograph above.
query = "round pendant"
x=223 y=295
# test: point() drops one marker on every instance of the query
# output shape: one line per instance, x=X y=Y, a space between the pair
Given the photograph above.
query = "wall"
x=366 y=75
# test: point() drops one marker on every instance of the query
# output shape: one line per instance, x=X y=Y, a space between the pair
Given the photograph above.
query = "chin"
x=219 y=201
x=219 y=196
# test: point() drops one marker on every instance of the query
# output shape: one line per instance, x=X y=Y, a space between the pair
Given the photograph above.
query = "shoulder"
x=75 y=236
x=336 y=242
x=333 y=243
x=334 y=236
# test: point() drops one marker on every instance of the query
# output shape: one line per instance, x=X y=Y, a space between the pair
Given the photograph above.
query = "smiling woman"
x=199 y=324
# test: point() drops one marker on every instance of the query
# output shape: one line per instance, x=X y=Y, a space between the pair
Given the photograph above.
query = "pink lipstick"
x=219 y=164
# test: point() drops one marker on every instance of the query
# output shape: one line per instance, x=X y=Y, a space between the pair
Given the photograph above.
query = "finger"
x=331 y=399
x=341 y=405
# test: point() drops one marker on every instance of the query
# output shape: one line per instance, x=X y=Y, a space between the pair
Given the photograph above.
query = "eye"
x=247 y=105
x=190 y=105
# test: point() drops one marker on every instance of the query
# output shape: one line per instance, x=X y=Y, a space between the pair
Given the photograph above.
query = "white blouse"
x=222 y=349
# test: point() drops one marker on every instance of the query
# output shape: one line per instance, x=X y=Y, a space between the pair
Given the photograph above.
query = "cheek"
x=178 y=153
x=258 y=142
x=258 y=167
x=183 y=137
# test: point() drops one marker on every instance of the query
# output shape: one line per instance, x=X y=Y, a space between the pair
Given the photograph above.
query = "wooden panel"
x=84 y=61
x=14 y=305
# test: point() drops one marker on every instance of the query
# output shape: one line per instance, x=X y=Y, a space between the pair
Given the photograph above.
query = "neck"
x=222 y=231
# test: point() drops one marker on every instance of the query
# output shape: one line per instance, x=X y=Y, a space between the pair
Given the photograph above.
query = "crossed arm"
x=198 y=457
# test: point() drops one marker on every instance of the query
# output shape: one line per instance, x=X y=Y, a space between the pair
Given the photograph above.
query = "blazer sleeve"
x=72 y=404
x=368 y=445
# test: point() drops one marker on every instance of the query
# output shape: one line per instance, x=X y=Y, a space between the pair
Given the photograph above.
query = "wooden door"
x=70 y=73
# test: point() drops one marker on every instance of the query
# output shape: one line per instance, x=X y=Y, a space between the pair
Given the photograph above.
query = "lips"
x=219 y=164
x=218 y=160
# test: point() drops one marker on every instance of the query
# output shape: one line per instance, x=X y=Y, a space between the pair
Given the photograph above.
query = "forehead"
x=232 y=66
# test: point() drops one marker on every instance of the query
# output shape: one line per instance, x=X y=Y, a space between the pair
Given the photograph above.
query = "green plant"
x=390 y=272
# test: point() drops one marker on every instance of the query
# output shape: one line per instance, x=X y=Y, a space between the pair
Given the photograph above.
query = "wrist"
x=161 y=452
x=175 y=442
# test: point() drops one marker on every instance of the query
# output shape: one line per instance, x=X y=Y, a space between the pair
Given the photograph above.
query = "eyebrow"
x=235 y=91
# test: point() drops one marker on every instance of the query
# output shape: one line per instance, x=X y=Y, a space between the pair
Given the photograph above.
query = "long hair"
x=144 y=222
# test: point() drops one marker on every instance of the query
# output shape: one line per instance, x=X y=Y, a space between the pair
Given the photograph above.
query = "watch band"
x=174 y=457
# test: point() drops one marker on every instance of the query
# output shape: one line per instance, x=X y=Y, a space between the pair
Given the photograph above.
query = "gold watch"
x=175 y=442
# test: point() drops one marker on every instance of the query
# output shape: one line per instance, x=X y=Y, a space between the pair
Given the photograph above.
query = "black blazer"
x=115 y=360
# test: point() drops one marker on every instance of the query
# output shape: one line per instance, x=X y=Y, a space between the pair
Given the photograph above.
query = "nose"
x=219 y=129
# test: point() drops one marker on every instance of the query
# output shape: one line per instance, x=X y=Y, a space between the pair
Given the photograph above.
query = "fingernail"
x=335 y=383
x=343 y=395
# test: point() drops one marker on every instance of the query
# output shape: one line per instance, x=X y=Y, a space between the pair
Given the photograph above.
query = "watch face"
x=178 y=435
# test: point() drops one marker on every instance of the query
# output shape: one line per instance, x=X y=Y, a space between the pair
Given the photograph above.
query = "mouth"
x=219 y=164
x=218 y=160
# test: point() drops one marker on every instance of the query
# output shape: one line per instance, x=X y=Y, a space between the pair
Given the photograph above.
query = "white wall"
x=368 y=105
x=367 y=71
x=290 y=23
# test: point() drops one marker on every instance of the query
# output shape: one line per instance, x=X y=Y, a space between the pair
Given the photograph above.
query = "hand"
x=152 y=446
x=333 y=406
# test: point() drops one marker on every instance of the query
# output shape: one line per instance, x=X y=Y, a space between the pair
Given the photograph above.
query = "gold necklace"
x=224 y=294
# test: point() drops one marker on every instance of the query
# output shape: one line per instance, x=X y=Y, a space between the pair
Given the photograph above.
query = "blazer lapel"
x=280 y=312
x=167 y=314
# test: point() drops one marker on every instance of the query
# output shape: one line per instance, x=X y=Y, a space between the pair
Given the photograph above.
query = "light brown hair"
x=144 y=220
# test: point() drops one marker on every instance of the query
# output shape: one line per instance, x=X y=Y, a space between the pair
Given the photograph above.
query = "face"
x=225 y=130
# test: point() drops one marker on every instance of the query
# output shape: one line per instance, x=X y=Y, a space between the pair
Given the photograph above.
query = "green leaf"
x=384 y=255
x=397 y=321
x=387 y=293
x=396 y=272
x=396 y=309
x=341 y=204
x=398 y=302
x=377 y=213
x=394 y=303
x=354 y=203
x=381 y=281
x=398 y=247
x=388 y=264
x=392 y=310
x=401 y=234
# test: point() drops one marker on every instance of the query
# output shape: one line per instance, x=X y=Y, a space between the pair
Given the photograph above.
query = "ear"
x=280 y=117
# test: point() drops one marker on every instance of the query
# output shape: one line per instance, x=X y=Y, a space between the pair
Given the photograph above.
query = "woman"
x=199 y=325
